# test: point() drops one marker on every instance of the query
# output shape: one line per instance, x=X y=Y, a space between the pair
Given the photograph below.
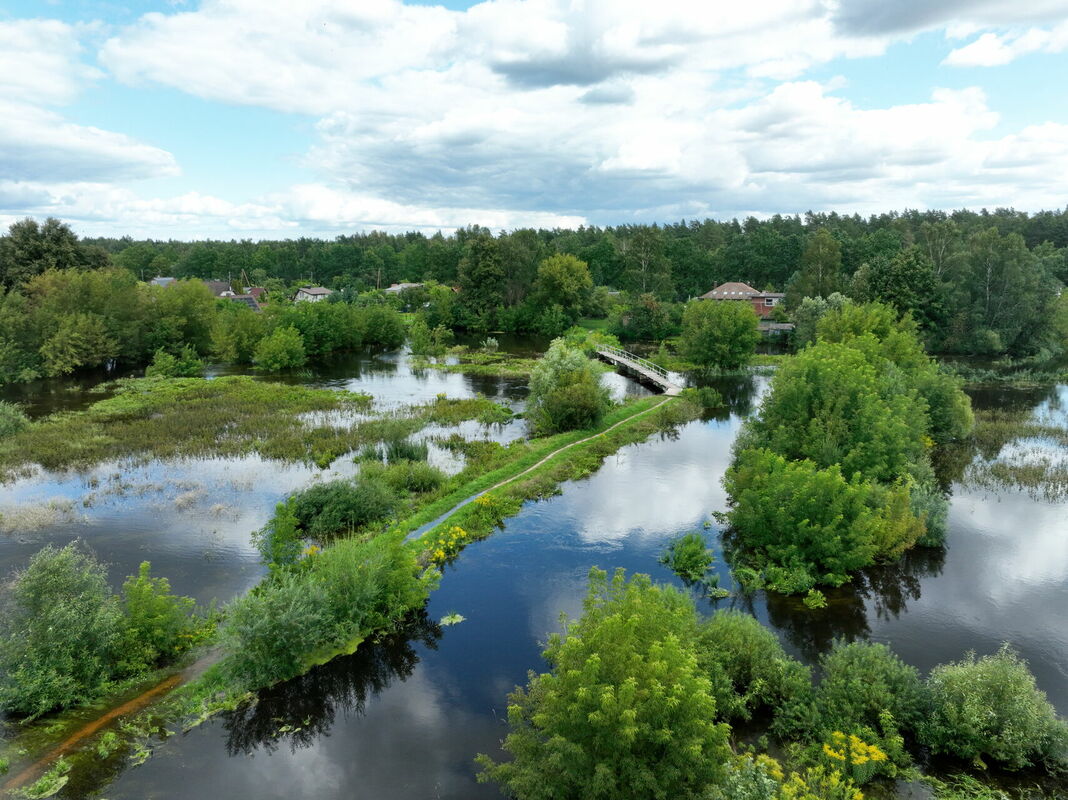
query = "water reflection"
x=299 y=711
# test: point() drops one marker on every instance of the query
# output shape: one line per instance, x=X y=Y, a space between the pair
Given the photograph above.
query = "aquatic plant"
x=452 y=618
x=406 y=450
x=815 y=599
x=688 y=557
x=49 y=784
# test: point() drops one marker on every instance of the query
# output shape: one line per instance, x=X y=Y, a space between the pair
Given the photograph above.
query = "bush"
x=414 y=476
x=566 y=391
x=867 y=691
x=758 y=672
x=159 y=624
x=406 y=450
x=346 y=592
x=625 y=711
x=65 y=637
x=280 y=541
x=811 y=525
x=62 y=632
x=688 y=557
x=283 y=349
x=336 y=507
x=12 y=419
x=185 y=365
x=990 y=707
x=719 y=334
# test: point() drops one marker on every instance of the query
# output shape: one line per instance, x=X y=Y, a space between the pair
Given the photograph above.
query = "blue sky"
x=237 y=118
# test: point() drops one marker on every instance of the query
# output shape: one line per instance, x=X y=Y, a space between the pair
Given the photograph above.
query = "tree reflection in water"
x=301 y=710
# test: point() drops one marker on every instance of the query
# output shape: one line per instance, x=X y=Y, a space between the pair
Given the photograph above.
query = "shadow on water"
x=298 y=712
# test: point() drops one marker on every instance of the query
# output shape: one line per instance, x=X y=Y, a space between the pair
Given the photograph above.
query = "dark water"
x=404 y=719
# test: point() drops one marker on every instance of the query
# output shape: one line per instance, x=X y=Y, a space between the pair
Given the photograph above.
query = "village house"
x=312 y=294
x=763 y=302
x=397 y=288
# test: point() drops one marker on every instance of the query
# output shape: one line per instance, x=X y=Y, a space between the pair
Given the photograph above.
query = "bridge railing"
x=619 y=352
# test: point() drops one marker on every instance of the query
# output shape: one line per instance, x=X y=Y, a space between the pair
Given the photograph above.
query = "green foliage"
x=808 y=313
x=185 y=365
x=625 y=710
x=809 y=525
x=688 y=557
x=327 y=510
x=159 y=624
x=815 y=600
x=236 y=332
x=61 y=632
x=49 y=784
x=12 y=419
x=65 y=637
x=414 y=476
x=820 y=272
x=30 y=248
x=280 y=541
x=481 y=277
x=346 y=592
x=645 y=318
x=867 y=691
x=401 y=449
x=990 y=707
x=283 y=349
x=718 y=334
x=563 y=283
x=566 y=391
x=756 y=671
x=426 y=342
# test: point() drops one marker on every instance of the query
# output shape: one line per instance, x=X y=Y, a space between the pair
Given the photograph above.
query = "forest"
x=976 y=283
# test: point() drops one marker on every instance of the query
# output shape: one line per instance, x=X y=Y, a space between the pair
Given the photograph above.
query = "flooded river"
x=404 y=718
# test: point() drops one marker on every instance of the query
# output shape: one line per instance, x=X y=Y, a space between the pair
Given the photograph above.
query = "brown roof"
x=736 y=290
x=218 y=287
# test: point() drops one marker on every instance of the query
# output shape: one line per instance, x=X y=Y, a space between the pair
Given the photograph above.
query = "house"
x=256 y=291
x=763 y=302
x=163 y=281
x=312 y=294
x=248 y=299
x=220 y=288
x=397 y=288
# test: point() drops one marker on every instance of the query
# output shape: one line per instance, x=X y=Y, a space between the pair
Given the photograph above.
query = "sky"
x=251 y=119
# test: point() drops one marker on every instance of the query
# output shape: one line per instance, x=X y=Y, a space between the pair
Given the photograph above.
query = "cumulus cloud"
x=40 y=66
x=996 y=49
x=878 y=17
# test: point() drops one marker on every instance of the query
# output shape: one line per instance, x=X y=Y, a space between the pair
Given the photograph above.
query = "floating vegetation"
x=31 y=518
x=1016 y=451
x=452 y=618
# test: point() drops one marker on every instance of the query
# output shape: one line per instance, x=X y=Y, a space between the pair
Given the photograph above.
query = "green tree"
x=646 y=269
x=820 y=273
x=283 y=349
x=905 y=281
x=481 y=277
x=159 y=623
x=30 y=248
x=625 y=710
x=280 y=541
x=565 y=391
x=644 y=318
x=236 y=332
x=185 y=365
x=719 y=334
x=563 y=281
x=808 y=313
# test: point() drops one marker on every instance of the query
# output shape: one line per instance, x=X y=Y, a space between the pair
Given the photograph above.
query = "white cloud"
x=997 y=49
x=40 y=66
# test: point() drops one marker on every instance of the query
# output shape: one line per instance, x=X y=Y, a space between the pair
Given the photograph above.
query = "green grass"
x=591 y=324
x=480 y=362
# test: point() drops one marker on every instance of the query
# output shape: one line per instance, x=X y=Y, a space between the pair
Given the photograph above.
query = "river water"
x=404 y=718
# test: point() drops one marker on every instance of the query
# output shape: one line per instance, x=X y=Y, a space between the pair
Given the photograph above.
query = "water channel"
x=404 y=718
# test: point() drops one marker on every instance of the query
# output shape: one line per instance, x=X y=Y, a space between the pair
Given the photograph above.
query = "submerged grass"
x=479 y=362
x=1018 y=451
x=232 y=416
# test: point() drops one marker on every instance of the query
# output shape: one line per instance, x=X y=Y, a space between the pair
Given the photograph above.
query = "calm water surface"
x=404 y=719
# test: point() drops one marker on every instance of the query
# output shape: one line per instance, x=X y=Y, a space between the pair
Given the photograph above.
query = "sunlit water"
x=405 y=719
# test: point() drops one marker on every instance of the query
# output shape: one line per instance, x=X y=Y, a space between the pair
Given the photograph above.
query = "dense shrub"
x=758 y=672
x=159 y=624
x=566 y=391
x=186 y=364
x=65 y=637
x=989 y=707
x=688 y=557
x=625 y=711
x=280 y=541
x=868 y=691
x=414 y=476
x=718 y=335
x=12 y=419
x=283 y=349
x=336 y=507
x=813 y=523
x=342 y=594
x=401 y=449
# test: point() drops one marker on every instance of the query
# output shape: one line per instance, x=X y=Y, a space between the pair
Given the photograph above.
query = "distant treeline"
x=978 y=282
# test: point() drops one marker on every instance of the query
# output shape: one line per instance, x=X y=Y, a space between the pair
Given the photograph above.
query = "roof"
x=248 y=300
x=161 y=281
x=736 y=290
x=314 y=290
x=218 y=288
x=397 y=288
x=255 y=291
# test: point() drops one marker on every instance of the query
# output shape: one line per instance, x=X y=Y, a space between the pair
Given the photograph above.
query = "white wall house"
x=312 y=294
